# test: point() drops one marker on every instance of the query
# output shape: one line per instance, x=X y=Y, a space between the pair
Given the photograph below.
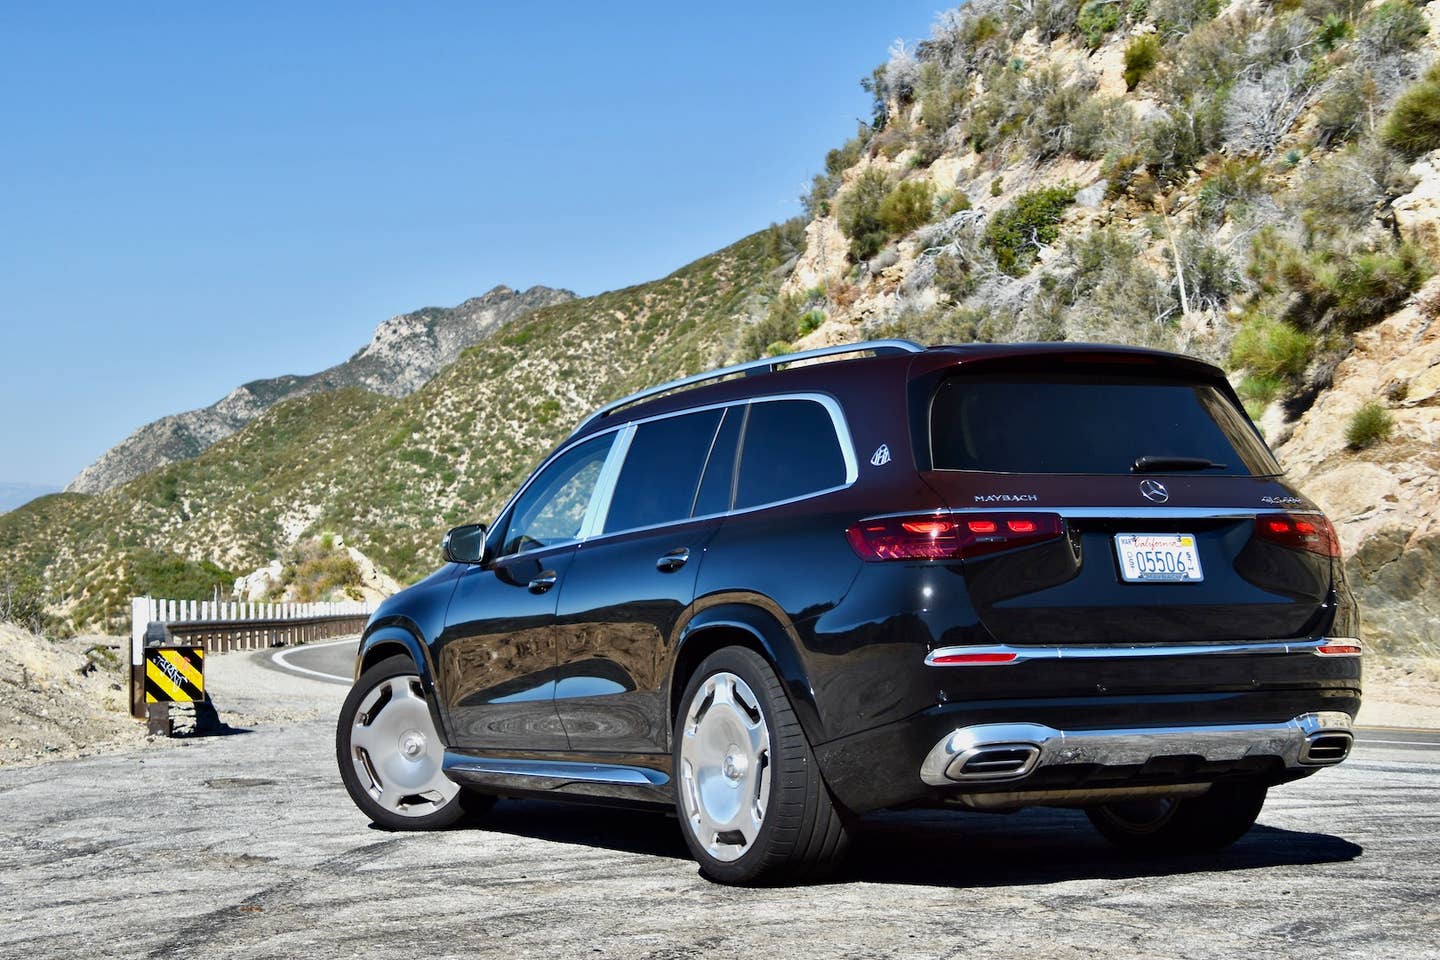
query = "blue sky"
x=197 y=195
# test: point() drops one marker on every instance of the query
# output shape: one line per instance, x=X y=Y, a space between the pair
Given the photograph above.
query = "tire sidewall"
x=450 y=813
x=759 y=677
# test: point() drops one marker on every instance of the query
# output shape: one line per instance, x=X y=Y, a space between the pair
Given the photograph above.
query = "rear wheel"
x=390 y=755
x=752 y=804
x=1214 y=819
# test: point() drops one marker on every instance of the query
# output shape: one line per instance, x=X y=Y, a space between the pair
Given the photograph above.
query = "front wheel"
x=1210 y=821
x=390 y=755
x=752 y=804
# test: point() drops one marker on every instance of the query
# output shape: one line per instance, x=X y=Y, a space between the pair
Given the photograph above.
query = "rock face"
x=404 y=354
x=1385 y=500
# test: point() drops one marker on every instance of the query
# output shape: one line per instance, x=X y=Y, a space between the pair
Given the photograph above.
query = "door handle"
x=543 y=581
x=672 y=561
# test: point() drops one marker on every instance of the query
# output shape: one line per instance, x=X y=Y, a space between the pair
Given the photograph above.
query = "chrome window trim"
x=605 y=483
x=1024 y=654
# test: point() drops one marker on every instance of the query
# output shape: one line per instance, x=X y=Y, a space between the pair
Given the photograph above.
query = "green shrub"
x=1261 y=391
x=955 y=203
x=859 y=212
x=1271 y=349
x=810 y=322
x=997 y=186
x=1345 y=109
x=1097 y=18
x=1413 y=126
x=1031 y=221
x=1234 y=181
x=22 y=602
x=1366 y=287
x=1393 y=26
x=1369 y=425
x=1182 y=138
x=953 y=277
x=781 y=324
x=1178 y=17
x=908 y=206
x=1141 y=56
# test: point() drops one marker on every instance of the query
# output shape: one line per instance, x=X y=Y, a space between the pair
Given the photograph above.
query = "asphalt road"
x=246 y=846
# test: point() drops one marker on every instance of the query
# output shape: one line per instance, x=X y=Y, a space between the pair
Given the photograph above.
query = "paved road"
x=245 y=846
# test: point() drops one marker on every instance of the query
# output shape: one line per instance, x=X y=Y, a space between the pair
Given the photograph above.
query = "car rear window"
x=1088 y=424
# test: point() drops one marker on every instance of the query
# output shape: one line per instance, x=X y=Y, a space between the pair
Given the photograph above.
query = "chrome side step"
x=498 y=774
x=1012 y=751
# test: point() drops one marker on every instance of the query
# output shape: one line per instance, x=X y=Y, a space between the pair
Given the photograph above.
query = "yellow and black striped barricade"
x=174 y=674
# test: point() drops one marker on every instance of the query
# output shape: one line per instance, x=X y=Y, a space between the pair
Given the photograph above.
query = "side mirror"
x=465 y=544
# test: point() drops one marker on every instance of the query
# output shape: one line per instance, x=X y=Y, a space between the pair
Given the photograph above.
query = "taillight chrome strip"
x=1120 y=513
x=1004 y=655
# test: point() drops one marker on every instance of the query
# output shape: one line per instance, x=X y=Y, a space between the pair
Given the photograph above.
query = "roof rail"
x=767 y=364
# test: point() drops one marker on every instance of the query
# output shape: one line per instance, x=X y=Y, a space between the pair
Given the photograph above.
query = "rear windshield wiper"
x=1154 y=464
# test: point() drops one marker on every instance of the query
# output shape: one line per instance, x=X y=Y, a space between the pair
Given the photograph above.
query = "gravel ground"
x=245 y=846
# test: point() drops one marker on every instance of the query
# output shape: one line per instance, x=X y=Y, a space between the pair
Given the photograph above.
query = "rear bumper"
x=1014 y=752
x=1003 y=734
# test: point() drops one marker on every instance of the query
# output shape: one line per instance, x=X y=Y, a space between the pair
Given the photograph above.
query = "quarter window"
x=553 y=507
x=662 y=471
x=790 y=450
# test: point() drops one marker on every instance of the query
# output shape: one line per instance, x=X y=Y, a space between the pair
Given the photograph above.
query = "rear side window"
x=790 y=449
x=719 y=480
x=1096 y=425
x=662 y=470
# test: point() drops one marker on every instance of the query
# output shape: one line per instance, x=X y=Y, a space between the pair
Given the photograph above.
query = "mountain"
x=13 y=495
x=1257 y=184
x=404 y=354
x=388 y=474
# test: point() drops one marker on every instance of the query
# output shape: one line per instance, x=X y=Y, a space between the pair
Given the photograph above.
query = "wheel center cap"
x=735 y=766
x=412 y=744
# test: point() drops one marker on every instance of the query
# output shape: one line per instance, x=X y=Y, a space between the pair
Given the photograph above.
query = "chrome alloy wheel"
x=725 y=766
x=395 y=751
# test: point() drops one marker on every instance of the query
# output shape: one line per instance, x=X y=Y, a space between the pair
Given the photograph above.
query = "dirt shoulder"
x=1401 y=692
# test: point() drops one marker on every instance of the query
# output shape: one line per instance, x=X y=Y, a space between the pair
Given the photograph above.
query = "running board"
x=505 y=774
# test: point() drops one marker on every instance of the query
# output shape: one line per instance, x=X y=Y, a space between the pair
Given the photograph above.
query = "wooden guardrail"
x=220 y=627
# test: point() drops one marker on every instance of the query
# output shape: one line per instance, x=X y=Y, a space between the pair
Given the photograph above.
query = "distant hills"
x=14 y=495
x=405 y=352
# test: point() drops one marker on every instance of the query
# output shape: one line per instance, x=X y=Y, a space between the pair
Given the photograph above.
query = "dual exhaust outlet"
x=1012 y=751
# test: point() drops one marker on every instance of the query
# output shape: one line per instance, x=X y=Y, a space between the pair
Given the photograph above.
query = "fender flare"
x=766 y=626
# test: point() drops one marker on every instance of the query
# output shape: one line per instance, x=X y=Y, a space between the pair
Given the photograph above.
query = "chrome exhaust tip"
x=1326 y=748
x=1005 y=761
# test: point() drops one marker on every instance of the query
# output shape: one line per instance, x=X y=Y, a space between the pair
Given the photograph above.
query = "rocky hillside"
x=1254 y=183
x=404 y=354
x=386 y=475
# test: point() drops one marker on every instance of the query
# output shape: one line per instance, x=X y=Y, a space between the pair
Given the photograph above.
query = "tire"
x=390 y=755
x=751 y=802
x=1211 y=821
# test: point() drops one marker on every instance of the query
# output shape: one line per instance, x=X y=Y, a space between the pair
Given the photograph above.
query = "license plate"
x=1158 y=558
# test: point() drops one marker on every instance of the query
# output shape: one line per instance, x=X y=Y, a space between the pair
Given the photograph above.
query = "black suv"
x=781 y=594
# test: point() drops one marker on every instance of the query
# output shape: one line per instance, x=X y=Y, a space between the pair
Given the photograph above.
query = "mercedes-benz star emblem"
x=1154 y=491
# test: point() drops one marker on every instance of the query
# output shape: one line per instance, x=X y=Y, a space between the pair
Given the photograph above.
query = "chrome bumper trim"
x=1020 y=654
x=1290 y=741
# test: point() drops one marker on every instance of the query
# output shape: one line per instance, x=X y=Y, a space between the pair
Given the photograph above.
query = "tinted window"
x=1088 y=425
x=715 y=489
x=789 y=450
x=662 y=471
x=553 y=506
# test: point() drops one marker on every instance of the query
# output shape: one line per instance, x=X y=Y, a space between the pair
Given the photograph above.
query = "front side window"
x=790 y=450
x=553 y=507
x=662 y=471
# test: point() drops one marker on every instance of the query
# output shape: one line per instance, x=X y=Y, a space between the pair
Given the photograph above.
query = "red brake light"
x=1310 y=532
x=940 y=538
x=972 y=659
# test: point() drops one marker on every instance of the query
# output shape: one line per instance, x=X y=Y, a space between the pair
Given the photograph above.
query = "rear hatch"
x=1173 y=523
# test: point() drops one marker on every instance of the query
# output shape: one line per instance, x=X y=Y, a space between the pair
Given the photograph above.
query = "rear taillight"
x=950 y=537
x=1299 y=531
